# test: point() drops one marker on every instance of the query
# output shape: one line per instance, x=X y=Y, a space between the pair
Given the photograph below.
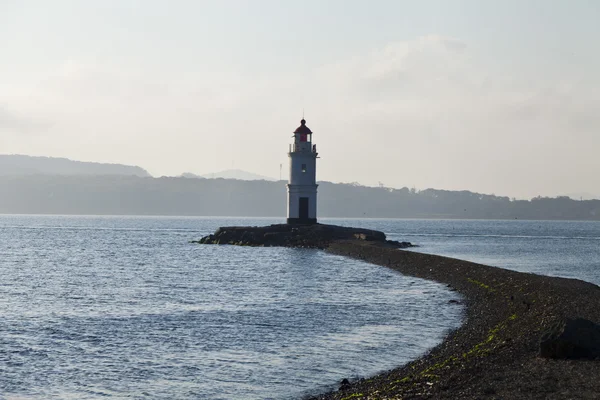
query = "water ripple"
x=127 y=308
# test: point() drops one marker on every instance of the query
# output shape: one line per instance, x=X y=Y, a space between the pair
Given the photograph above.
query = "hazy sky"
x=492 y=96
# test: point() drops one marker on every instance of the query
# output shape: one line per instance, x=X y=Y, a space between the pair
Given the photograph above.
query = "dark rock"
x=571 y=338
x=305 y=236
x=367 y=236
x=400 y=245
x=344 y=384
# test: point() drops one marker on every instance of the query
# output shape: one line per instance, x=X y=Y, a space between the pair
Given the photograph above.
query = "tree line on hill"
x=17 y=164
x=136 y=195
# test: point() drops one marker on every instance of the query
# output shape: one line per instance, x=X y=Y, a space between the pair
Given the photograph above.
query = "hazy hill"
x=26 y=165
x=39 y=194
x=237 y=174
x=190 y=175
x=583 y=196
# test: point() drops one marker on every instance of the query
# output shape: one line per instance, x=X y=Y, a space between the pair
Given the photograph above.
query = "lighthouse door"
x=303 y=211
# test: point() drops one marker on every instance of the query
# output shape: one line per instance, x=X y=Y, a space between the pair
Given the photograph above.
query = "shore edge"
x=494 y=354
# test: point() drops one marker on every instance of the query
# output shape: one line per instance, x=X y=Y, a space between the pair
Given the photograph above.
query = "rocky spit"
x=524 y=336
x=317 y=236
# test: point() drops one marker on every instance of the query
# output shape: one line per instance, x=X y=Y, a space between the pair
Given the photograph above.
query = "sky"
x=497 y=97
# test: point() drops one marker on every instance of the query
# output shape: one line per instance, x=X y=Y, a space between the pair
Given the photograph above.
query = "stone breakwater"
x=525 y=336
x=318 y=236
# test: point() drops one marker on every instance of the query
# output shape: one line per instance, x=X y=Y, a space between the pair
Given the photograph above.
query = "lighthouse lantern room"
x=302 y=185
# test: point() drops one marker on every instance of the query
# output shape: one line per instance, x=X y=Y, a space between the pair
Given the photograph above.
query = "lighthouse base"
x=302 y=204
x=301 y=221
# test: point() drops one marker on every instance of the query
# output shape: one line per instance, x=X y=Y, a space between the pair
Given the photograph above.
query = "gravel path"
x=494 y=355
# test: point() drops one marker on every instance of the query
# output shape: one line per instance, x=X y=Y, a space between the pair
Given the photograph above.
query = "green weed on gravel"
x=482 y=285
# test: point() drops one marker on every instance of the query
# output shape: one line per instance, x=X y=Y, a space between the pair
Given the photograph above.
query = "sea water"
x=127 y=307
x=569 y=249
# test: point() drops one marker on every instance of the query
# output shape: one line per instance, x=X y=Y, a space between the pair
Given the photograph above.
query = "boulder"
x=313 y=236
x=400 y=245
x=571 y=338
x=276 y=238
x=344 y=384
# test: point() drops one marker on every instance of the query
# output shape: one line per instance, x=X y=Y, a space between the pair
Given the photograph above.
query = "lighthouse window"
x=303 y=167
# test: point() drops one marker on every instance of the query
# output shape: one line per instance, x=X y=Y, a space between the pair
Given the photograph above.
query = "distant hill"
x=123 y=195
x=14 y=164
x=583 y=196
x=237 y=174
x=189 y=175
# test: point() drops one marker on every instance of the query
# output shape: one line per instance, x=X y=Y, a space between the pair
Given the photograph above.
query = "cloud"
x=12 y=122
x=405 y=77
x=437 y=76
x=430 y=112
x=526 y=130
x=429 y=56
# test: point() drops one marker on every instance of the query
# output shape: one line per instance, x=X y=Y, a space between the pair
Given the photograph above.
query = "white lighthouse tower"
x=302 y=186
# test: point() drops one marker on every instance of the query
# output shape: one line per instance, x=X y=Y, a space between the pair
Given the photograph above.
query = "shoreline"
x=494 y=354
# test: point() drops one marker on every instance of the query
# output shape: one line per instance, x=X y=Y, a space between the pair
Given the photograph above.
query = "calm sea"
x=126 y=307
x=569 y=249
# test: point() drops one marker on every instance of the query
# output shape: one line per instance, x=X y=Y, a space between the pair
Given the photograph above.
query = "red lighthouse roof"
x=303 y=129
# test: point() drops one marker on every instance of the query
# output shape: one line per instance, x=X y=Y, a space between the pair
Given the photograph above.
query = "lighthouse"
x=302 y=185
